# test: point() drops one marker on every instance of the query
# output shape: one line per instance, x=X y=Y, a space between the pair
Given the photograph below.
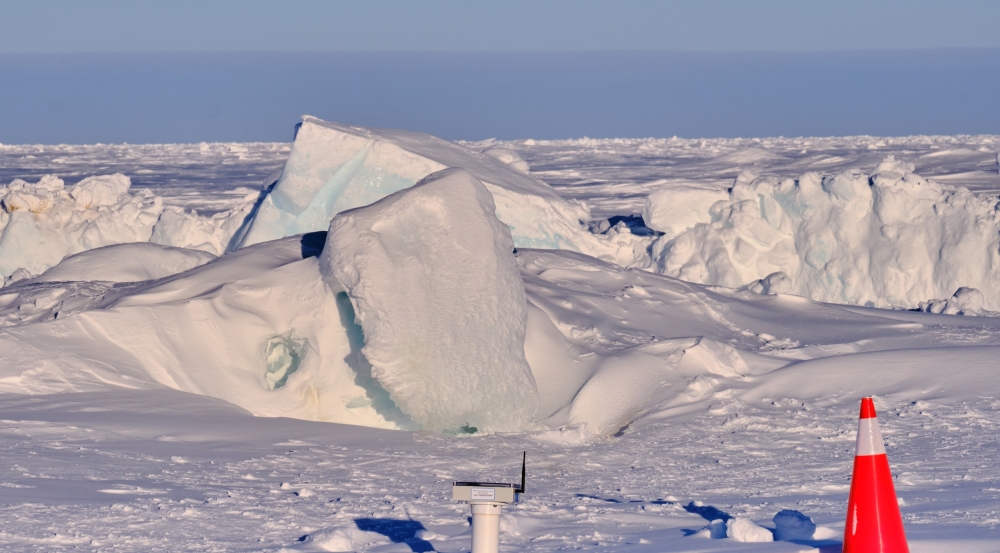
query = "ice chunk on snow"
x=793 y=525
x=744 y=530
x=891 y=238
x=435 y=287
x=125 y=263
x=334 y=167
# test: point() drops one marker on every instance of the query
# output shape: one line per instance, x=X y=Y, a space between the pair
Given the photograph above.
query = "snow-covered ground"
x=128 y=393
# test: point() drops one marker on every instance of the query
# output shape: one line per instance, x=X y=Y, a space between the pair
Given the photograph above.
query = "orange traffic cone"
x=874 y=524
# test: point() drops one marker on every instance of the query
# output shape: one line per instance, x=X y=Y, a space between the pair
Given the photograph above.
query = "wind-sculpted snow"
x=132 y=262
x=891 y=238
x=44 y=222
x=432 y=277
x=334 y=167
x=214 y=330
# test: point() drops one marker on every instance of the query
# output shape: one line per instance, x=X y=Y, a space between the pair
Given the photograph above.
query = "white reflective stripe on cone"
x=869 y=438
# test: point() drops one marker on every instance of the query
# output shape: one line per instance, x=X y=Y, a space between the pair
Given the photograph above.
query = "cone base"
x=874 y=523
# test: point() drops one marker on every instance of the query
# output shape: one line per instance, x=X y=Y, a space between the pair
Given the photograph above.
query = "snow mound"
x=125 y=263
x=431 y=276
x=258 y=328
x=793 y=525
x=334 y=167
x=598 y=376
x=891 y=238
x=42 y=223
x=508 y=156
x=745 y=530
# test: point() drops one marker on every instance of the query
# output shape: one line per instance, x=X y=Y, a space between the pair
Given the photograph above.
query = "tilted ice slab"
x=334 y=167
x=431 y=274
x=891 y=238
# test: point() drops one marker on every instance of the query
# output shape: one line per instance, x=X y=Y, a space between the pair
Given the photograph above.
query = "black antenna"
x=524 y=459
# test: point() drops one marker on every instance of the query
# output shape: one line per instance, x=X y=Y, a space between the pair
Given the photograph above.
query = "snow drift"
x=271 y=329
x=132 y=262
x=432 y=277
x=257 y=328
x=891 y=238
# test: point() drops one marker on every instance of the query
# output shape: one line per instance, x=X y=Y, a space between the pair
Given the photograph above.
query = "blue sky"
x=224 y=70
x=509 y=25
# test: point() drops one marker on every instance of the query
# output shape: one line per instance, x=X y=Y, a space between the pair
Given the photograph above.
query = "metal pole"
x=486 y=527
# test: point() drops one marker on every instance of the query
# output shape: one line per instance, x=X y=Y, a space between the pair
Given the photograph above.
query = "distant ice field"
x=613 y=176
x=209 y=178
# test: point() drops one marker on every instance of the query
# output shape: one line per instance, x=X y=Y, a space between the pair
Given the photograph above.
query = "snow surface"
x=672 y=415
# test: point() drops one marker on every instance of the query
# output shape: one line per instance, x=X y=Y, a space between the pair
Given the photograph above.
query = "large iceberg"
x=334 y=167
x=431 y=274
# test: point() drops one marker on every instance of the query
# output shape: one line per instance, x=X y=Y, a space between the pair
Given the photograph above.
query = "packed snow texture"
x=431 y=274
x=888 y=239
x=334 y=167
